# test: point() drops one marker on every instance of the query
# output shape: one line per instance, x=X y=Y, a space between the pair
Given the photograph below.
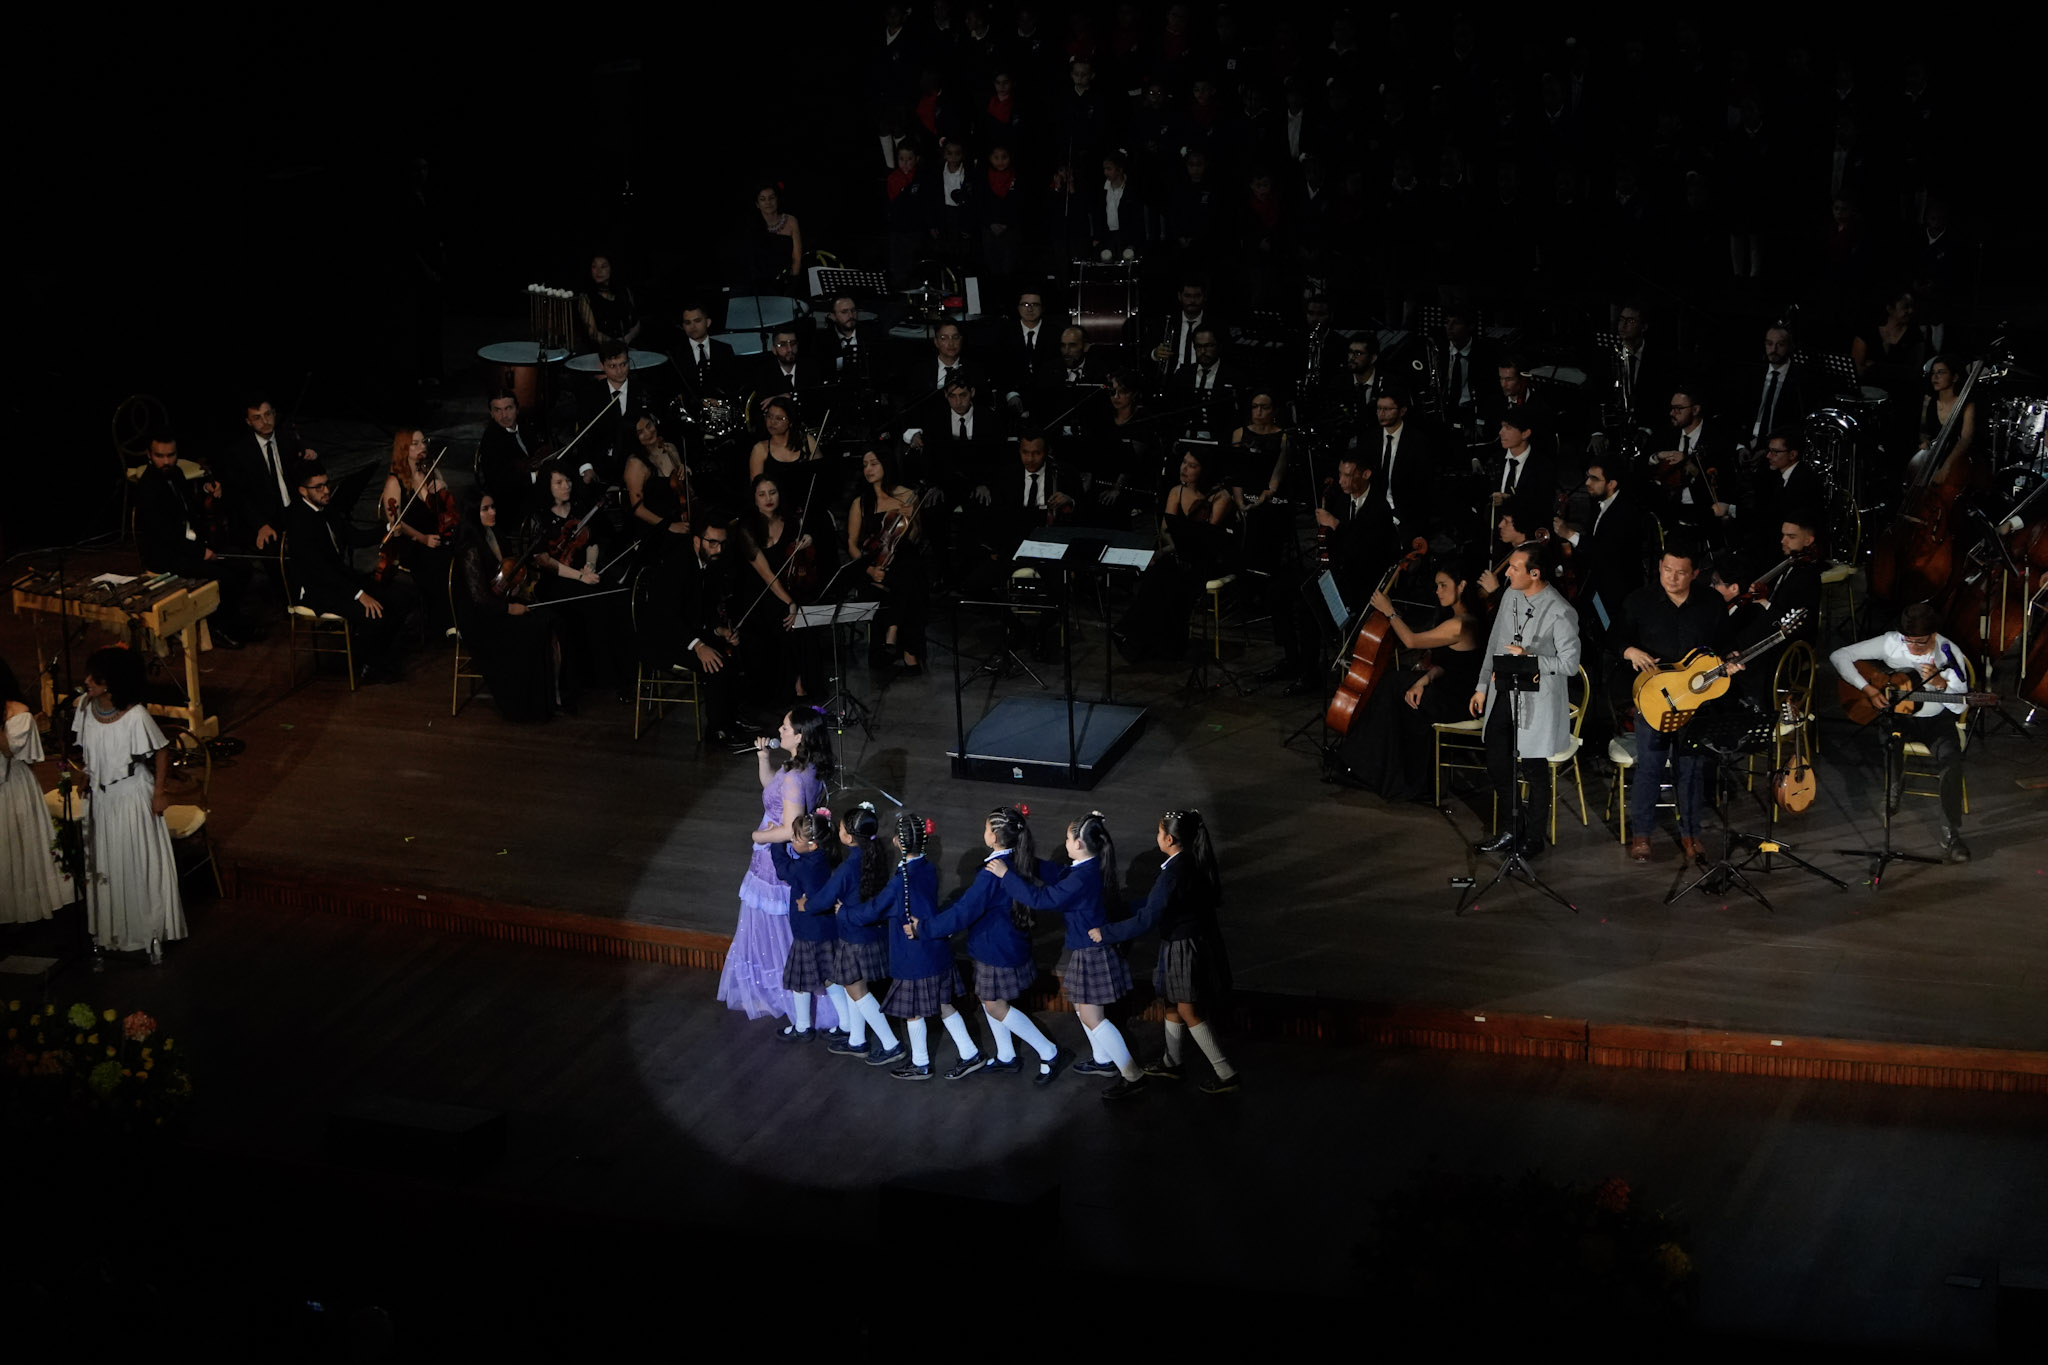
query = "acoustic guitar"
x=1903 y=694
x=1670 y=697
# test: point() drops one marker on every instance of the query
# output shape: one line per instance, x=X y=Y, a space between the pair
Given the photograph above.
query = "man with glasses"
x=1917 y=648
x=1693 y=453
x=714 y=610
x=323 y=578
x=1027 y=346
x=1637 y=381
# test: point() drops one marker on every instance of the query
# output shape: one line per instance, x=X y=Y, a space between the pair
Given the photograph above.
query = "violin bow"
x=425 y=479
x=777 y=575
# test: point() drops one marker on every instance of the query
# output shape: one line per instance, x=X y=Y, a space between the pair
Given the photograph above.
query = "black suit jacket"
x=166 y=506
x=1535 y=493
x=609 y=441
x=1612 y=554
x=502 y=465
x=316 y=550
x=860 y=363
x=1774 y=497
x=724 y=374
x=1221 y=405
x=1482 y=375
x=960 y=466
x=251 y=487
x=1020 y=369
x=1789 y=409
x=1650 y=394
x=1415 y=485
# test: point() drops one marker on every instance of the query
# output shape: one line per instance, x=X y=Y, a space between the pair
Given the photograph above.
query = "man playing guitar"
x=1917 y=648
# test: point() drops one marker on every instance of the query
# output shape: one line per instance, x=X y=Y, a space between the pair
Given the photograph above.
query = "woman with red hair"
x=421 y=518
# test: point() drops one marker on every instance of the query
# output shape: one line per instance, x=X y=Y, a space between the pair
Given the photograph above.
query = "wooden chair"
x=1462 y=737
x=1913 y=748
x=321 y=627
x=455 y=698
x=192 y=774
x=661 y=684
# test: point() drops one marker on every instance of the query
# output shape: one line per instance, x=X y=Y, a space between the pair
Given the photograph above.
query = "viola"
x=800 y=572
x=1370 y=656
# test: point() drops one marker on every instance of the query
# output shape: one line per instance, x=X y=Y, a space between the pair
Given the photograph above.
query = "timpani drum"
x=520 y=369
x=641 y=361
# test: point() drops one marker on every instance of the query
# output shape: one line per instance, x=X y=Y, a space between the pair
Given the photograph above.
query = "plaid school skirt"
x=858 y=961
x=1003 y=983
x=809 y=967
x=1097 y=975
x=1183 y=975
x=921 y=998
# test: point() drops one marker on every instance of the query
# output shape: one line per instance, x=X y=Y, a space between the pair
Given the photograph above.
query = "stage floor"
x=1330 y=892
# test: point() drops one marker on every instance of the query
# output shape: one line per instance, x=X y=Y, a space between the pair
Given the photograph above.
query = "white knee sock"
x=841 y=1006
x=956 y=1024
x=1176 y=1031
x=871 y=1010
x=856 y=1017
x=1021 y=1025
x=1095 y=1051
x=1006 y=1051
x=800 y=1011
x=1205 y=1039
x=1114 y=1050
x=919 y=1053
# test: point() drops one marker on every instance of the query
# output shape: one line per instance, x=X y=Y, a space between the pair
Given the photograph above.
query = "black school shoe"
x=1060 y=1058
x=1009 y=1068
x=792 y=1034
x=1095 y=1068
x=1163 y=1070
x=1220 y=1085
x=968 y=1067
x=1124 y=1089
x=882 y=1056
x=911 y=1071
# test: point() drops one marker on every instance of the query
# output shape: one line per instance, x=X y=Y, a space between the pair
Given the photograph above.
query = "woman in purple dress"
x=752 y=979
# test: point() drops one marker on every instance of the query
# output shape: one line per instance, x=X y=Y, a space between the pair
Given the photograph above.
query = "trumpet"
x=1164 y=355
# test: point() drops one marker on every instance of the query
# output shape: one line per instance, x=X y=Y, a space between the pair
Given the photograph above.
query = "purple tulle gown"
x=752 y=979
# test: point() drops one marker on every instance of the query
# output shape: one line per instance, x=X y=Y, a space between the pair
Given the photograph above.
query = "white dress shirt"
x=1112 y=201
x=1890 y=649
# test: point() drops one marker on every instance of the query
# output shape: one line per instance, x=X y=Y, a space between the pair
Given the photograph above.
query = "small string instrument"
x=1904 y=694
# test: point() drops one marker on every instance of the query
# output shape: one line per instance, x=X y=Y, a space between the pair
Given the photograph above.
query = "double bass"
x=1916 y=556
x=1370 y=655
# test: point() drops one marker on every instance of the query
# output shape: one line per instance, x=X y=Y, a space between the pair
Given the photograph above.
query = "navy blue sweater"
x=1074 y=891
x=1180 y=905
x=844 y=887
x=805 y=874
x=983 y=910
x=910 y=959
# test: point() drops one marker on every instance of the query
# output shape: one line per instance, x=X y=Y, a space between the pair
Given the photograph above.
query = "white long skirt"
x=134 y=890
x=31 y=886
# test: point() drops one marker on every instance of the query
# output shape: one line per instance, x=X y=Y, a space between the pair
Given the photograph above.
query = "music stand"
x=1515 y=674
x=842 y=708
x=1884 y=854
x=1338 y=615
x=1753 y=733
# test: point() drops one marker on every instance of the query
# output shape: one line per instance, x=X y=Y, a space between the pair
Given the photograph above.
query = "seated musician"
x=1694 y=449
x=960 y=453
x=175 y=534
x=506 y=458
x=1405 y=479
x=594 y=633
x=884 y=535
x=782 y=373
x=615 y=403
x=1027 y=346
x=1351 y=394
x=1030 y=497
x=1211 y=384
x=1786 y=487
x=607 y=308
x=923 y=382
x=851 y=349
x=322 y=578
x=706 y=366
x=1391 y=746
x=1078 y=367
x=1123 y=452
x=260 y=473
x=1778 y=393
x=1196 y=524
x=712 y=610
x=1352 y=522
x=514 y=648
x=421 y=518
x=1534 y=619
x=1919 y=649
x=1660 y=624
x=655 y=479
x=785 y=558
x=784 y=443
x=1259 y=451
x=1525 y=476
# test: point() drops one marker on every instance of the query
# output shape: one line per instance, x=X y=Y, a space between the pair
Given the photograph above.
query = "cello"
x=1370 y=655
x=1915 y=557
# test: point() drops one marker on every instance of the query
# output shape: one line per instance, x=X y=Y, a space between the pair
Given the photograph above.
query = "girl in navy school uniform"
x=998 y=943
x=924 y=980
x=859 y=954
x=1096 y=976
x=1192 y=968
x=805 y=863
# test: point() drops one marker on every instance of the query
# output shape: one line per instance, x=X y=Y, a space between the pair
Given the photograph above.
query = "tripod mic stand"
x=1515 y=674
x=1718 y=876
x=1884 y=855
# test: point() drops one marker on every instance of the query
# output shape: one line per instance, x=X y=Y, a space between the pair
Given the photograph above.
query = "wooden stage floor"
x=1332 y=893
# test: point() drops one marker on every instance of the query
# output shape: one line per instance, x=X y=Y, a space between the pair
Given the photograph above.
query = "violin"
x=1370 y=656
x=558 y=544
x=1761 y=589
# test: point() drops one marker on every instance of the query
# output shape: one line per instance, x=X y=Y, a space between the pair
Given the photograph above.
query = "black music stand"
x=1731 y=736
x=1884 y=855
x=1329 y=639
x=1515 y=674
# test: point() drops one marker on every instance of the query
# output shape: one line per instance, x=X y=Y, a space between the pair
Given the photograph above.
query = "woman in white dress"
x=31 y=887
x=132 y=897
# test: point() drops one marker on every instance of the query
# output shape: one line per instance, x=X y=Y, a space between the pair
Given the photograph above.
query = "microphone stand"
x=1515 y=674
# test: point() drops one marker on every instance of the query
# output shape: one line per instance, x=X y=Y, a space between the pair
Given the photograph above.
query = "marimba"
x=163 y=604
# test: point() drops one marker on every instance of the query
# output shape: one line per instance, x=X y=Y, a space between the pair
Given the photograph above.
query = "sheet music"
x=115 y=580
x=1041 y=549
x=1116 y=557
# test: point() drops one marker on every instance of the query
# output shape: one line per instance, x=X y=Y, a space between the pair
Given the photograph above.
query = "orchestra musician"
x=1534 y=619
x=592 y=633
x=608 y=311
x=506 y=459
x=1611 y=551
x=785 y=559
x=1778 y=396
x=1694 y=447
x=1935 y=409
x=423 y=540
x=614 y=403
x=782 y=374
x=706 y=366
x=1124 y=453
x=1177 y=347
x=1636 y=376
x=1211 y=383
x=1660 y=624
x=852 y=349
x=655 y=480
x=1196 y=528
x=711 y=616
x=1078 y=365
x=784 y=443
x=1405 y=479
x=514 y=648
x=322 y=578
x=260 y=473
x=883 y=533
x=1027 y=346
x=1351 y=394
x=1526 y=476
x=923 y=382
x=1786 y=487
x=1917 y=647
x=1391 y=746
x=1468 y=362
x=175 y=534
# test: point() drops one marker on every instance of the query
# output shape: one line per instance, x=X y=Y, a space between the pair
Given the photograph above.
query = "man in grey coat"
x=1534 y=619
